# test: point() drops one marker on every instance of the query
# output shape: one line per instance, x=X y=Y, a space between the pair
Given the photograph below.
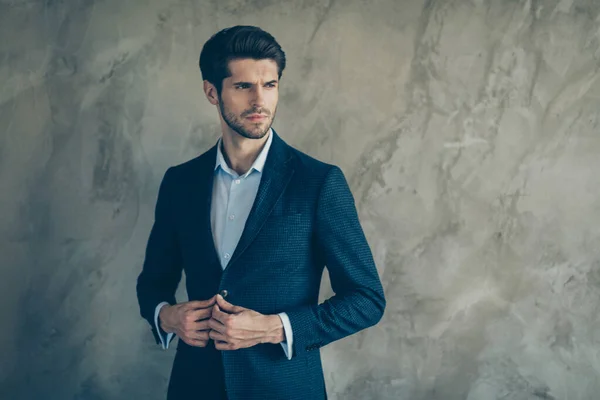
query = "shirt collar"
x=257 y=165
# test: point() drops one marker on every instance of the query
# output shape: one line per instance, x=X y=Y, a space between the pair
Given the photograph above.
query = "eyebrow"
x=250 y=83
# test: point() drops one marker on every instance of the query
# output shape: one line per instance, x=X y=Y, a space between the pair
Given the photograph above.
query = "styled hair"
x=237 y=42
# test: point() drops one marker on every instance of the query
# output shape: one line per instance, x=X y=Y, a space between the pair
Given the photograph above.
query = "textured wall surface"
x=469 y=132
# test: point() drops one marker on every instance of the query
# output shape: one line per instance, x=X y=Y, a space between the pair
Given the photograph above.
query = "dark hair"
x=241 y=41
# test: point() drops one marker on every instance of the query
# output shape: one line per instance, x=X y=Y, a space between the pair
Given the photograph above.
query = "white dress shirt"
x=232 y=198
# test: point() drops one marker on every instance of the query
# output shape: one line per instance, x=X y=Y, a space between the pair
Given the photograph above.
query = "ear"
x=211 y=92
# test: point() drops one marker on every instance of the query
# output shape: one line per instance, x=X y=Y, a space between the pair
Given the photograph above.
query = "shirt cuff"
x=165 y=344
x=289 y=336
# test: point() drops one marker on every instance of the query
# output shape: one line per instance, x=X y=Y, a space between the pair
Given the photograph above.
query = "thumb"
x=227 y=306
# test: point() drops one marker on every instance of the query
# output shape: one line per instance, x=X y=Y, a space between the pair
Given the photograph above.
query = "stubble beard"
x=236 y=124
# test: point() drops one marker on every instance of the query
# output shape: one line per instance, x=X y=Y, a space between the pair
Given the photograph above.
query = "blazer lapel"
x=277 y=173
x=200 y=196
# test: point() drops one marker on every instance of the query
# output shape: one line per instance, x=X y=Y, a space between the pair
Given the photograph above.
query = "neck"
x=240 y=152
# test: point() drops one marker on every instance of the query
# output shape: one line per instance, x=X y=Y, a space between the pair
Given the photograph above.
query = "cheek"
x=273 y=102
x=235 y=102
x=235 y=108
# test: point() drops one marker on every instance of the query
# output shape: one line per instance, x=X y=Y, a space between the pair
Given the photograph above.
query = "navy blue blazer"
x=303 y=219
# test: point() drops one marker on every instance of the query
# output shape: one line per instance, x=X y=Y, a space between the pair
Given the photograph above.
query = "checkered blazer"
x=303 y=219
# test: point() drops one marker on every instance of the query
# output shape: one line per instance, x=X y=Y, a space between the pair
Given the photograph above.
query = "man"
x=253 y=222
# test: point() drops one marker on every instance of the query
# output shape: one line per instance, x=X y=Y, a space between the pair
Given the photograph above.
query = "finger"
x=199 y=304
x=220 y=316
x=238 y=344
x=194 y=304
x=200 y=335
x=224 y=346
x=200 y=314
x=216 y=326
x=217 y=336
x=191 y=318
x=200 y=325
x=196 y=342
x=192 y=327
x=227 y=306
x=188 y=335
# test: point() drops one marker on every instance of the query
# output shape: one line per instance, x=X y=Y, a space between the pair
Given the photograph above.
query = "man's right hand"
x=188 y=320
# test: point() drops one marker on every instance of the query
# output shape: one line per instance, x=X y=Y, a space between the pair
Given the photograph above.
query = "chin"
x=253 y=134
x=260 y=131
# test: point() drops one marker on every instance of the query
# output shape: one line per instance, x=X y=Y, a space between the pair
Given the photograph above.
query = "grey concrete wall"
x=469 y=132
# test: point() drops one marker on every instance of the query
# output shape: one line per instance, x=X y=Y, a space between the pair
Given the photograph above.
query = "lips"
x=256 y=117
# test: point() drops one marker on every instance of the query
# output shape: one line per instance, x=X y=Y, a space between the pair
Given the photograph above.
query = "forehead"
x=250 y=70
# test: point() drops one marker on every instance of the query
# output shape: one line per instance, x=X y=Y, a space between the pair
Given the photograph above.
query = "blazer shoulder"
x=194 y=165
x=311 y=166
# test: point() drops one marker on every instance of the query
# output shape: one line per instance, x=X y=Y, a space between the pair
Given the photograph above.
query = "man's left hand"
x=234 y=327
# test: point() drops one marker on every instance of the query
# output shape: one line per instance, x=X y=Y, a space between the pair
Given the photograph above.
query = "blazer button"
x=224 y=293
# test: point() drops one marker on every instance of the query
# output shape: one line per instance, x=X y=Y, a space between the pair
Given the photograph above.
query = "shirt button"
x=227 y=255
x=237 y=181
x=224 y=293
x=231 y=217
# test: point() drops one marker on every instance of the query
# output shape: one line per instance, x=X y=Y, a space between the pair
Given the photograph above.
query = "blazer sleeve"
x=359 y=300
x=161 y=270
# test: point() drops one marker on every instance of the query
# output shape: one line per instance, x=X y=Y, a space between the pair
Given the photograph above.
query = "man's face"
x=251 y=91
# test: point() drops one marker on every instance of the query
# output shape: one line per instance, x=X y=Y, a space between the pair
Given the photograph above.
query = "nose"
x=258 y=98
